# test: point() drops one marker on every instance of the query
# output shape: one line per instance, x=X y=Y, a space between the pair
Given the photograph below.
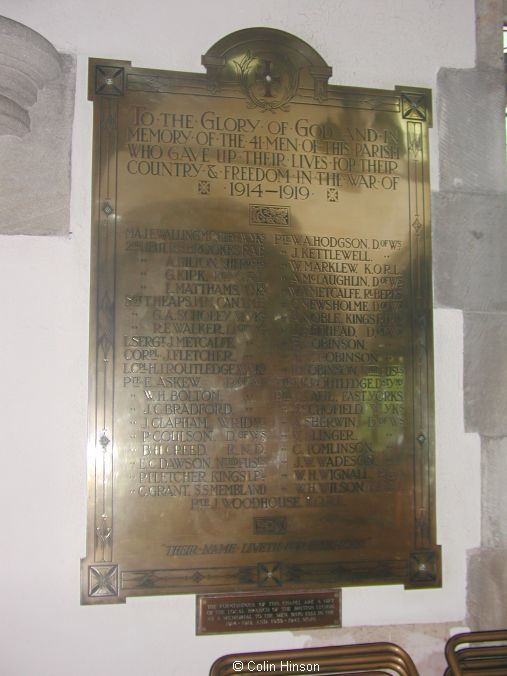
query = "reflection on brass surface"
x=226 y=613
x=261 y=397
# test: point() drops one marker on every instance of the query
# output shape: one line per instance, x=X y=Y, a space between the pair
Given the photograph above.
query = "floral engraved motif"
x=197 y=577
x=417 y=225
x=415 y=142
x=107 y=208
x=148 y=580
x=268 y=215
x=320 y=89
x=271 y=525
x=103 y=531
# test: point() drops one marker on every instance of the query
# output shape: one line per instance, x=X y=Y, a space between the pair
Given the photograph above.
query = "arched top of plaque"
x=270 y=66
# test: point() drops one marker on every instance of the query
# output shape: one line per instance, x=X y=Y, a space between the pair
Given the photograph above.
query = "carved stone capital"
x=27 y=62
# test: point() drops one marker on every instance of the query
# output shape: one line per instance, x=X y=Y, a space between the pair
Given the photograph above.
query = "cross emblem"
x=109 y=80
x=413 y=106
x=268 y=79
x=269 y=575
x=103 y=580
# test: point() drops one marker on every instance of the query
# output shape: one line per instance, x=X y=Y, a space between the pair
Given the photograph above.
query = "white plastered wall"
x=44 y=312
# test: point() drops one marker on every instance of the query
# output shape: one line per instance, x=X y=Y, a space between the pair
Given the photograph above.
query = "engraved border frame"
x=103 y=579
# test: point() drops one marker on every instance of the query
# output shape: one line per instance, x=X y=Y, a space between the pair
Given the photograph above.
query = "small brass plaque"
x=261 y=389
x=227 y=613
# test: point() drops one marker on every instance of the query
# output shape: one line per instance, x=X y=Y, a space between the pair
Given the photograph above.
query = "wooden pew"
x=477 y=652
x=365 y=659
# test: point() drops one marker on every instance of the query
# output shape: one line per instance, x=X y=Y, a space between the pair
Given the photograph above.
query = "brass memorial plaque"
x=261 y=395
x=247 y=611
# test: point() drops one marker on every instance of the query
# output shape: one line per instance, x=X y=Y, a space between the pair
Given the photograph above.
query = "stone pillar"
x=37 y=86
x=471 y=274
x=27 y=62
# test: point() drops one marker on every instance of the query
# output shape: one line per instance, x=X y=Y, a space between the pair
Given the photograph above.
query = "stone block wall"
x=470 y=264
